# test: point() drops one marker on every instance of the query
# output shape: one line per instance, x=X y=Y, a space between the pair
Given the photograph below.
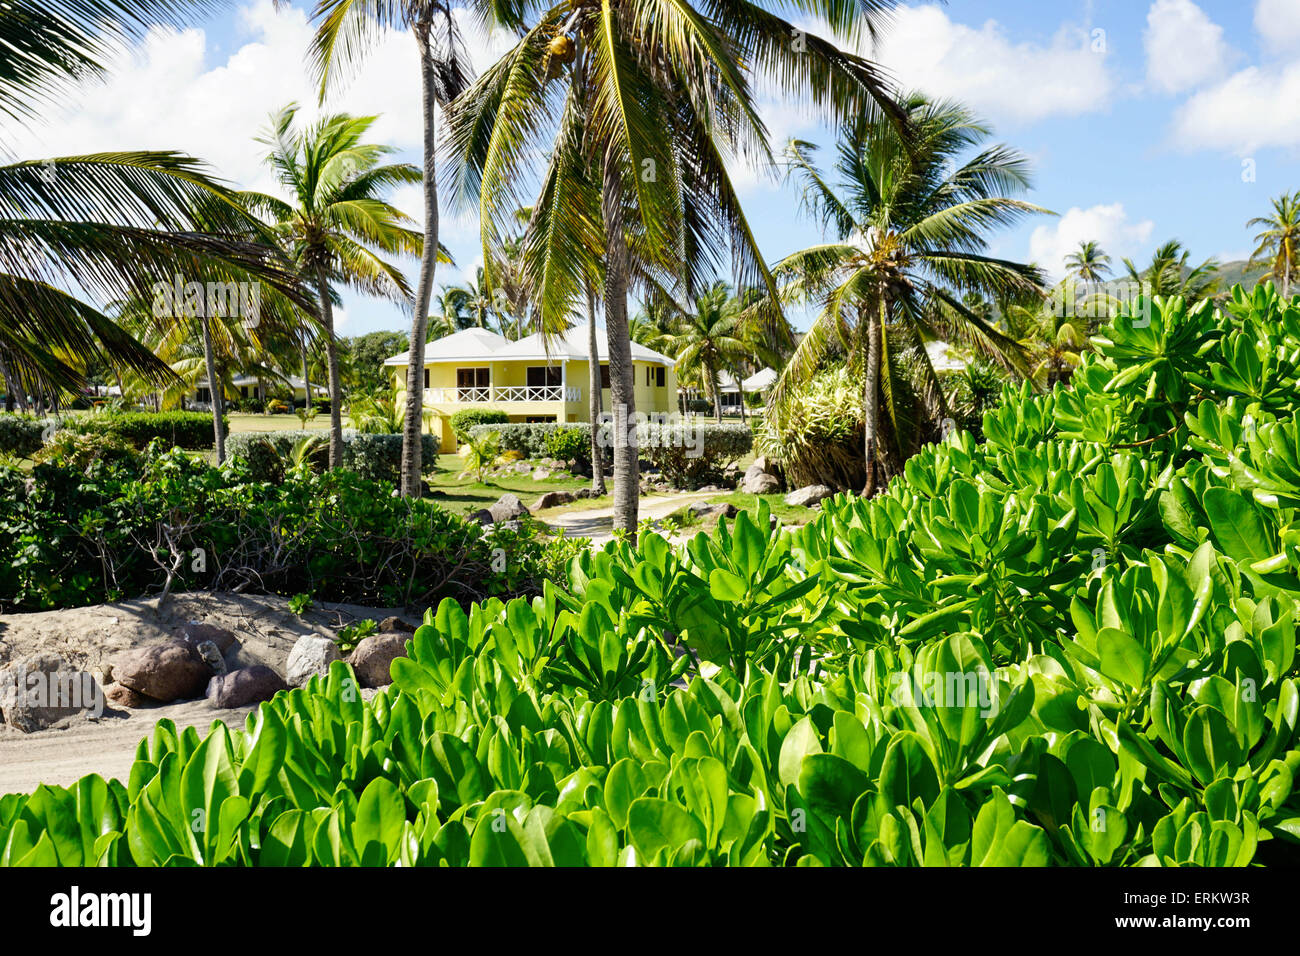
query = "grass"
x=464 y=495
x=786 y=514
x=244 y=422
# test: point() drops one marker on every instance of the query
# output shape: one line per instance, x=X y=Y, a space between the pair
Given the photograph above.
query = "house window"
x=426 y=378
x=604 y=376
x=243 y=391
x=472 y=384
x=647 y=374
x=659 y=376
x=540 y=376
x=539 y=419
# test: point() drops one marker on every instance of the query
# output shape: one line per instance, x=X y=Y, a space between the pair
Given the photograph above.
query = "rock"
x=248 y=685
x=809 y=495
x=41 y=689
x=584 y=493
x=760 y=483
x=482 y=516
x=373 y=657
x=541 y=474
x=122 y=696
x=195 y=633
x=395 y=625
x=165 y=672
x=507 y=508
x=522 y=468
x=553 y=498
x=712 y=489
x=724 y=509
x=310 y=656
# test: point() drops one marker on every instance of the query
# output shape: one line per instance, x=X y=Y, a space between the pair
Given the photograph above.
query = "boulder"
x=809 y=495
x=552 y=499
x=395 y=625
x=40 y=690
x=310 y=656
x=507 y=508
x=759 y=483
x=482 y=516
x=195 y=633
x=119 y=695
x=522 y=468
x=373 y=657
x=705 y=509
x=173 y=670
x=712 y=489
x=542 y=474
x=248 y=685
x=584 y=493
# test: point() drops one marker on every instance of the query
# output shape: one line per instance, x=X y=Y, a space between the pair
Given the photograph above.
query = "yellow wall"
x=650 y=399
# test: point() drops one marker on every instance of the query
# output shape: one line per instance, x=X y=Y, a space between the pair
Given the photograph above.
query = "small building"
x=249 y=386
x=530 y=380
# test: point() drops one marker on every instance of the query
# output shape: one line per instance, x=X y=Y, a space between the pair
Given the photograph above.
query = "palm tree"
x=707 y=340
x=910 y=228
x=1054 y=337
x=1088 y=263
x=347 y=30
x=336 y=218
x=1171 y=274
x=638 y=104
x=1279 y=243
x=452 y=313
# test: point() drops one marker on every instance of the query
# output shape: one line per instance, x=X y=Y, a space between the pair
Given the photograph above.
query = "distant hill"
x=1236 y=273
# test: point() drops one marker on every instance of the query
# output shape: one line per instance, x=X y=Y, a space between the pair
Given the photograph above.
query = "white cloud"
x=1253 y=109
x=1278 y=24
x=165 y=94
x=1005 y=81
x=1184 y=47
x=1107 y=225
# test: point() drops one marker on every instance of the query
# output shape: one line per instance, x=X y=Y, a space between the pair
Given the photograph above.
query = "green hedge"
x=189 y=430
x=22 y=435
x=463 y=421
x=373 y=457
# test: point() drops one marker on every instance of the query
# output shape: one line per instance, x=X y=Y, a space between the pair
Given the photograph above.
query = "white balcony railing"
x=507 y=393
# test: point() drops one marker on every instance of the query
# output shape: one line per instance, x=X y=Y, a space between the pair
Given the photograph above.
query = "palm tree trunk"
x=10 y=398
x=332 y=358
x=595 y=404
x=871 y=402
x=306 y=380
x=716 y=386
x=214 y=390
x=412 y=425
x=622 y=392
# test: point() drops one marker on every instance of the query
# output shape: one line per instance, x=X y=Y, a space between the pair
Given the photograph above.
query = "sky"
x=1145 y=121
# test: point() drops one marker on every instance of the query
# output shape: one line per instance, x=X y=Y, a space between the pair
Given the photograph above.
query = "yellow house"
x=529 y=380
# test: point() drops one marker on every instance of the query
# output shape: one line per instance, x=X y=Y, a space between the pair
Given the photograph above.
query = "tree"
x=1088 y=263
x=708 y=339
x=336 y=218
x=1279 y=242
x=911 y=228
x=1171 y=274
x=346 y=31
x=639 y=104
x=1055 y=339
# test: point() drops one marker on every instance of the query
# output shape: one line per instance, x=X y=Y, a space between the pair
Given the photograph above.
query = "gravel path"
x=597 y=523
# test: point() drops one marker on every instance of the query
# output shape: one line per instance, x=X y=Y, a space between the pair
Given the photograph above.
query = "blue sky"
x=1146 y=119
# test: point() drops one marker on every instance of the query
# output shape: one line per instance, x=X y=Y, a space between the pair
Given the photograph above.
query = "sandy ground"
x=87 y=638
x=597 y=523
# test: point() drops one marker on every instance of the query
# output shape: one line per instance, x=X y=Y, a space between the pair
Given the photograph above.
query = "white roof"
x=941 y=357
x=755 y=383
x=460 y=346
x=294 y=381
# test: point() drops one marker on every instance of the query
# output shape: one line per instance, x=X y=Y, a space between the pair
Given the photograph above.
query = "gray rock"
x=541 y=474
x=40 y=690
x=553 y=498
x=482 y=516
x=394 y=625
x=759 y=483
x=584 y=493
x=723 y=509
x=713 y=489
x=507 y=508
x=373 y=657
x=195 y=633
x=248 y=685
x=522 y=467
x=164 y=672
x=809 y=495
x=310 y=656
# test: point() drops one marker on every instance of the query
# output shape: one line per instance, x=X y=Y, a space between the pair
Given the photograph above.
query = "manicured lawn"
x=242 y=422
x=464 y=495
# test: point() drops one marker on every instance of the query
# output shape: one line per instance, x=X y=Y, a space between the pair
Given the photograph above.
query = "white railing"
x=507 y=393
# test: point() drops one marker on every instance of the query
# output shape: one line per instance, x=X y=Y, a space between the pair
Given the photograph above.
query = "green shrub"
x=527 y=438
x=467 y=418
x=22 y=435
x=817 y=433
x=80 y=450
x=189 y=430
x=691 y=455
x=373 y=457
x=1073 y=644
x=569 y=443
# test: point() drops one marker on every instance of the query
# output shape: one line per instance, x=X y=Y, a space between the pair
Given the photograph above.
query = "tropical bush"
x=463 y=421
x=79 y=451
x=375 y=457
x=817 y=431
x=21 y=435
x=169 y=521
x=570 y=443
x=190 y=430
x=1073 y=644
x=527 y=438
